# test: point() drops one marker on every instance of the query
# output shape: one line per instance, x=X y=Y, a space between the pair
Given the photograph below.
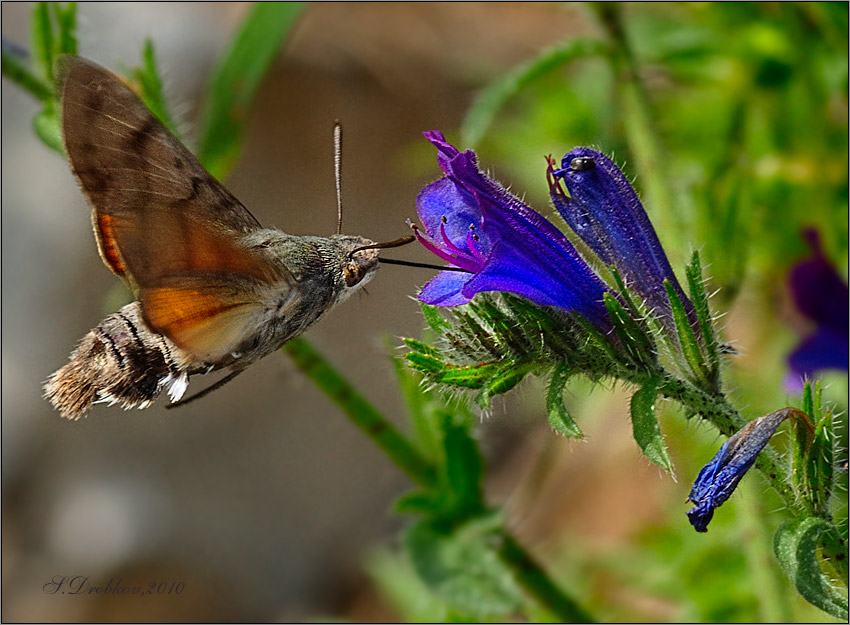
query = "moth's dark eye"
x=353 y=274
x=582 y=163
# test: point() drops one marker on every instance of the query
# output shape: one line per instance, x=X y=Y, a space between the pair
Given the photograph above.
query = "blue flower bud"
x=718 y=479
x=603 y=209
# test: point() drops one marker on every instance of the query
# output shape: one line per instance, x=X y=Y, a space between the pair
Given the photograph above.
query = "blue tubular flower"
x=820 y=295
x=719 y=478
x=499 y=243
x=605 y=212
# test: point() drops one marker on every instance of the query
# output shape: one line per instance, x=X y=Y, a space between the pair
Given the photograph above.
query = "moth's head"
x=358 y=262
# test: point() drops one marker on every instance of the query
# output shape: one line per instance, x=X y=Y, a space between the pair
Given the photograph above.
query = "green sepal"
x=687 y=338
x=502 y=380
x=425 y=362
x=434 y=319
x=645 y=427
x=423 y=348
x=559 y=418
x=798 y=549
x=706 y=327
x=638 y=346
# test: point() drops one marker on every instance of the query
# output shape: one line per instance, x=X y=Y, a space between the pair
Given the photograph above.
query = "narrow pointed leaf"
x=559 y=417
x=237 y=78
x=490 y=101
x=645 y=426
x=66 y=20
x=423 y=348
x=20 y=74
x=463 y=469
x=150 y=88
x=42 y=40
x=425 y=363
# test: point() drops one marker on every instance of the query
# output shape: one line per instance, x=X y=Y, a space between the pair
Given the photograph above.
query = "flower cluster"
x=499 y=242
x=492 y=241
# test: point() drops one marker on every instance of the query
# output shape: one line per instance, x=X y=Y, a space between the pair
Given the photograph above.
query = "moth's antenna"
x=338 y=173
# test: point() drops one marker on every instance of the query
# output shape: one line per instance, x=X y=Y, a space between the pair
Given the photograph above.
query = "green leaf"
x=687 y=338
x=796 y=547
x=66 y=20
x=645 y=426
x=461 y=565
x=490 y=101
x=150 y=88
x=236 y=79
x=46 y=126
x=559 y=418
x=427 y=503
x=21 y=75
x=462 y=470
x=42 y=40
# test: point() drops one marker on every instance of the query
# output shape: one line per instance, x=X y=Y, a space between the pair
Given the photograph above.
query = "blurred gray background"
x=262 y=498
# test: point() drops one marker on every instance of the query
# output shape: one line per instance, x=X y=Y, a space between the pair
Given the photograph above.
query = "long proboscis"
x=410 y=263
x=381 y=246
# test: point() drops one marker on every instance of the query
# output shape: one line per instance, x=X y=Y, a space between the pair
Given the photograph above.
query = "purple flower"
x=603 y=209
x=821 y=296
x=719 y=478
x=498 y=243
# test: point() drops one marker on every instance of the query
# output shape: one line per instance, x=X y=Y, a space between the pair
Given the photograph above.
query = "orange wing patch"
x=104 y=232
x=200 y=322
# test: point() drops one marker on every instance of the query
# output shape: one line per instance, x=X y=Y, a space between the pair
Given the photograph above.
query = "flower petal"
x=446 y=289
x=444 y=199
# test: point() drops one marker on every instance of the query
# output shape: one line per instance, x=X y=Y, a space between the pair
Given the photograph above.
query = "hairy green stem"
x=397 y=447
x=537 y=583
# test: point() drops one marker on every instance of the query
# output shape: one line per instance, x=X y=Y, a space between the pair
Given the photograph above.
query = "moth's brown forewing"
x=162 y=222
